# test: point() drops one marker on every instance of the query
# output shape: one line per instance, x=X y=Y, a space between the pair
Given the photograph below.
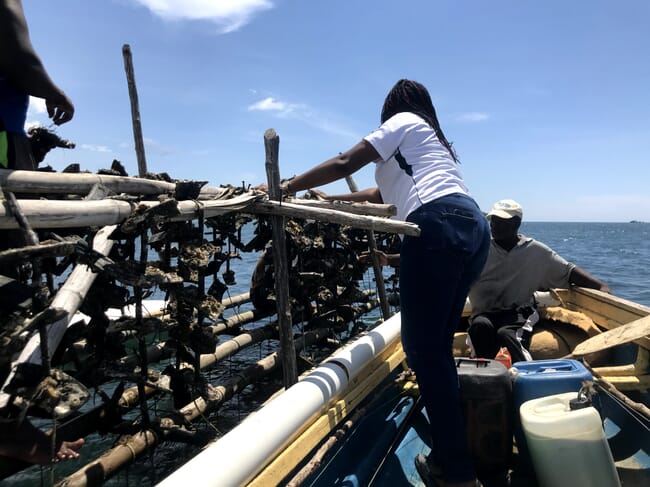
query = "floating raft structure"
x=81 y=255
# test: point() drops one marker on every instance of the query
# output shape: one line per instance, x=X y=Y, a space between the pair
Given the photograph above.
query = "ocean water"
x=616 y=253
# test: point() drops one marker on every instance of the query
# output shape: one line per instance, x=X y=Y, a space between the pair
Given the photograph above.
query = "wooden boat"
x=356 y=419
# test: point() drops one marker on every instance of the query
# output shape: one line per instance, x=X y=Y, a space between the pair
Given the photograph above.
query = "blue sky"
x=546 y=102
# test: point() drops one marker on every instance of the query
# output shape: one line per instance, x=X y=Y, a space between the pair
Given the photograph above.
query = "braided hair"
x=411 y=96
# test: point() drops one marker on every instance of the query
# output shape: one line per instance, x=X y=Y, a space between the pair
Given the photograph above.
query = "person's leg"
x=483 y=334
x=425 y=310
x=430 y=314
x=516 y=340
x=474 y=246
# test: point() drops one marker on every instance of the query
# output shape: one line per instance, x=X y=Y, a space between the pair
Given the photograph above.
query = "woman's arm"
x=335 y=168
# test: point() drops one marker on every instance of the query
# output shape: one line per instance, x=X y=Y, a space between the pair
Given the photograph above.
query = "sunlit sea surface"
x=617 y=253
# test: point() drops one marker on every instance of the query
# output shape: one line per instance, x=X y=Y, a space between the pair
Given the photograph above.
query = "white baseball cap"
x=506 y=209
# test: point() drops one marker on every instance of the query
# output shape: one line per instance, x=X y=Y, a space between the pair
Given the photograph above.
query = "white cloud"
x=473 y=117
x=228 y=15
x=95 y=148
x=270 y=104
x=302 y=113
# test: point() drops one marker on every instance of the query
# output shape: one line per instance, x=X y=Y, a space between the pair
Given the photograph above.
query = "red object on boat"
x=504 y=357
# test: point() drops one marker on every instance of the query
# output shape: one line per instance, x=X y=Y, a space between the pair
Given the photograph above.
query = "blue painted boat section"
x=357 y=460
x=380 y=449
x=628 y=435
x=399 y=467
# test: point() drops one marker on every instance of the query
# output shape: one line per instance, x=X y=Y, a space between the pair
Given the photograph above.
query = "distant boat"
x=637 y=221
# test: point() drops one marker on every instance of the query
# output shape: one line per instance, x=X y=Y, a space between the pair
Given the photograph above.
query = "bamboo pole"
x=130 y=396
x=236 y=300
x=65 y=214
x=35 y=182
x=372 y=244
x=235 y=321
x=234 y=345
x=270 y=207
x=68 y=298
x=79 y=183
x=160 y=351
x=15 y=210
x=334 y=216
x=263 y=367
x=135 y=110
x=281 y=274
x=82 y=425
x=358 y=208
x=131 y=447
x=39 y=251
x=39 y=183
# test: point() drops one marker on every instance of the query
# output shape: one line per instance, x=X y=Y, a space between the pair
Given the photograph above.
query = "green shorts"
x=15 y=152
x=4 y=150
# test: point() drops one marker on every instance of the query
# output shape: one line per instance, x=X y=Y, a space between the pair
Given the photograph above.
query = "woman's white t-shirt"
x=415 y=168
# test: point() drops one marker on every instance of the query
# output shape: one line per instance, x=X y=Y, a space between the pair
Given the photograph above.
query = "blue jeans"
x=436 y=272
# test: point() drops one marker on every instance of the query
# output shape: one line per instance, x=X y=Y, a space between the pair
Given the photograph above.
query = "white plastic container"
x=568 y=446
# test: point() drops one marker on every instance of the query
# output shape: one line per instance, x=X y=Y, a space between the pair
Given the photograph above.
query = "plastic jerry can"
x=486 y=398
x=567 y=442
x=539 y=378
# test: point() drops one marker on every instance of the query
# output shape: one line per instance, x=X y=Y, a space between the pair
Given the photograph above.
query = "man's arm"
x=382 y=257
x=20 y=63
x=580 y=277
x=370 y=195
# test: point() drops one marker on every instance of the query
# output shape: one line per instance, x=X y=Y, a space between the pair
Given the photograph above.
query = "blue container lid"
x=539 y=378
x=543 y=369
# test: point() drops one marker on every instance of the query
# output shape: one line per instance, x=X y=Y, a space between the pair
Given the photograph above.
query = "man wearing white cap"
x=503 y=305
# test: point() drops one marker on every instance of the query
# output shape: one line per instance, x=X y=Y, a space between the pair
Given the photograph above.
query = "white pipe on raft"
x=241 y=454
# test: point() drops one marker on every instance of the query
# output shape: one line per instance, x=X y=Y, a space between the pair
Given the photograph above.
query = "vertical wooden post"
x=135 y=110
x=289 y=367
x=372 y=244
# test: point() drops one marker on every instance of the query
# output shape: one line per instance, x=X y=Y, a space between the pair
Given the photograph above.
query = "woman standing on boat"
x=417 y=171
